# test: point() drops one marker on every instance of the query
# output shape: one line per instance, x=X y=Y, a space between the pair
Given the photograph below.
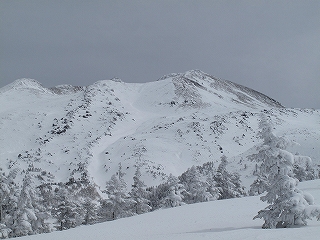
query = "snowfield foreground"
x=224 y=219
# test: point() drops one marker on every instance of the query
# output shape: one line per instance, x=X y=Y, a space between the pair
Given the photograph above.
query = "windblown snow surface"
x=223 y=219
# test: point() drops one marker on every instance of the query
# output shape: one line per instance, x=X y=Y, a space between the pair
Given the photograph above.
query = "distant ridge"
x=186 y=84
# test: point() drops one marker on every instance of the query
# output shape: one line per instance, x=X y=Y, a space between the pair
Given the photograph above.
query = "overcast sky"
x=270 y=46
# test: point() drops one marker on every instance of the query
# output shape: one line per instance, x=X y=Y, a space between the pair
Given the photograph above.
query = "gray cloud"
x=270 y=46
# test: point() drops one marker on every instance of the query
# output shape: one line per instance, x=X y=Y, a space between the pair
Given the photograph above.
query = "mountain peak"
x=26 y=84
x=193 y=81
x=190 y=73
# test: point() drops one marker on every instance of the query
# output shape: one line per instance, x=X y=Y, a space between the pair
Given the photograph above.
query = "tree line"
x=31 y=209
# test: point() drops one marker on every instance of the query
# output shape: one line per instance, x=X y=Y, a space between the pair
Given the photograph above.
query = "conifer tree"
x=90 y=209
x=156 y=194
x=67 y=210
x=303 y=169
x=118 y=204
x=4 y=195
x=288 y=205
x=311 y=172
x=8 y=196
x=139 y=194
x=196 y=187
x=4 y=231
x=228 y=184
x=259 y=185
x=25 y=215
x=86 y=198
x=8 y=202
x=208 y=172
x=174 y=194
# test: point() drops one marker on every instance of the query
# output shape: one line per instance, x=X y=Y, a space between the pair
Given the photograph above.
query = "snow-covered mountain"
x=164 y=127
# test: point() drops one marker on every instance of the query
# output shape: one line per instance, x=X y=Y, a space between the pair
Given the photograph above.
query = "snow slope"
x=164 y=127
x=224 y=219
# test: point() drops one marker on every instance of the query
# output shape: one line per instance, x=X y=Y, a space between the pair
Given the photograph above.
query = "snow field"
x=229 y=219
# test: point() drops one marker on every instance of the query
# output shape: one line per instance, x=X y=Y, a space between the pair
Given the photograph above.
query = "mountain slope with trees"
x=75 y=156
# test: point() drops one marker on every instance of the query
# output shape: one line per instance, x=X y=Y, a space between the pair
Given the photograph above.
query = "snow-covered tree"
x=85 y=195
x=25 y=219
x=8 y=202
x=67 y=210
x=303 y=169
x=174 y=195
x=139 y=194
x=228 y=184
x=156 y=194
x=118 y=204
x=8 y=196
x=259 y=185
x=288 y=205
x=4 y=195
x=311 y=171
x=90 y=209
x=4 y=231
x=66 y=214
x=196 y=187
x=167 y=194
x=173 y=199
x=239 y=189
x=208 y=172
